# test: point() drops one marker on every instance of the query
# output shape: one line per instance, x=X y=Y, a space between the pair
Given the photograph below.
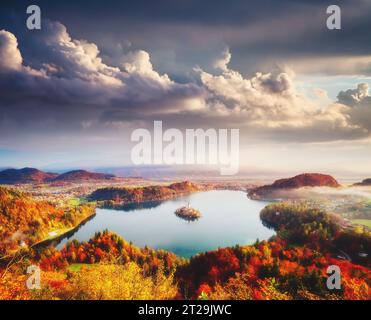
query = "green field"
x=77 y=266
x=74 y=202
x=365 y=222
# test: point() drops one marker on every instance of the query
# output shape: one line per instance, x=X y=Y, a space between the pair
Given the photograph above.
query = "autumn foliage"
x=25 y=221
x=107 y=247
x=291 y=265
x=270 y=270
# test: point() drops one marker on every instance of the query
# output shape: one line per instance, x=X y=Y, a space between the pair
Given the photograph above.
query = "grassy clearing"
x=364 y=222
x=74 y=202
x=76 y=267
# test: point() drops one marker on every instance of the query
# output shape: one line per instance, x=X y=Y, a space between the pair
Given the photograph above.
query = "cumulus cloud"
x=70 y=86
x=353 y=97
x=10 y=57
x=223 y=61
x=258 y=95
x=73 y=59
x=268 y=104
x=74 y=82
x=138 y=62
x=264 y=96
x=359 y=102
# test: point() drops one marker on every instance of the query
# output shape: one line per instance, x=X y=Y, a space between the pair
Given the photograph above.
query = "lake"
x=228 y=218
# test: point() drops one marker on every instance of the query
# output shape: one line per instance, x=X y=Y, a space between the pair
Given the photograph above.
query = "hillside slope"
x=25 y=175
x=120 y=196
x=365 y=182
x=299 y=181
x=25 y=221
x=32 y=175
x=82 y=175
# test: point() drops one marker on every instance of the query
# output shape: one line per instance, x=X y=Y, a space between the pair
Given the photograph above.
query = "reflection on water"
x=137 y=206
x=228 y=218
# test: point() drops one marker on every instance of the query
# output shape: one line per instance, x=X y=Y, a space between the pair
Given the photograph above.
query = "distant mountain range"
x=32 y=175
x=82 y=175
x=25 y=175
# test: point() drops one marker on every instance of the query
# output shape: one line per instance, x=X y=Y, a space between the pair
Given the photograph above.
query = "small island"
x=188 y=213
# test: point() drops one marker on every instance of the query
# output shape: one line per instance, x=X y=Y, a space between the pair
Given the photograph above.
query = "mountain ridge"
x=31 y=175
x=25 y=175
x=82 y=175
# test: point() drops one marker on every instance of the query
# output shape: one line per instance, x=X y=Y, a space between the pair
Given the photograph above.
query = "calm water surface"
x=228 y=218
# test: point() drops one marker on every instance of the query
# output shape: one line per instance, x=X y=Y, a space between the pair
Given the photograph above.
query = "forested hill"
x=32 y=175
x=25 y=175
x=115 y=195
x=25 y=221
x=299 y=181
x=82 y=175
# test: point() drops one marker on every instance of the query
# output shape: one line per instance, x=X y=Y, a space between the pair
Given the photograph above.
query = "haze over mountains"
x=32 y=175
x=307 y=180
x=366 y=182
x=299 y=181
x=81 y=175
x=25 y=175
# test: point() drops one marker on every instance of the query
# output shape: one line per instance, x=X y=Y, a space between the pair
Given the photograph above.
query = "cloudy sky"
x=72 y=92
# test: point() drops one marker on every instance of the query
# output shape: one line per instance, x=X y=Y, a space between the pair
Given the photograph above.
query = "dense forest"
x=101 y=267
x=107 y=247
x=291 y=265
x=115 y=196
x=300 y=224
x=24 y=221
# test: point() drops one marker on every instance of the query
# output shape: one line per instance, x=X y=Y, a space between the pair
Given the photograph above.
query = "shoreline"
x=101 y=205
x=105 y=204
x=71 y=230
x=47 y=241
